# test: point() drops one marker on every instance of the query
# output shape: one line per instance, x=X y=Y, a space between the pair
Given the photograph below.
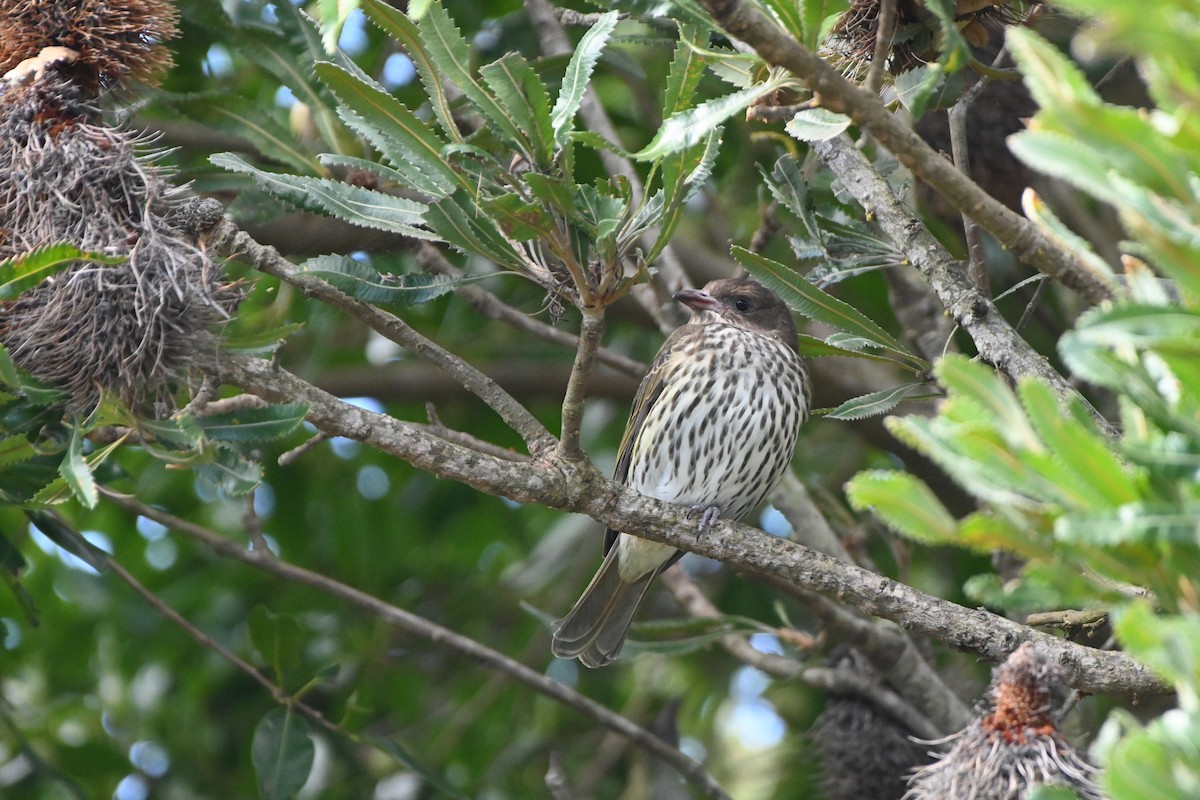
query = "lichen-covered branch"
x=997 y=342
x=838 y=94
x=580 y=487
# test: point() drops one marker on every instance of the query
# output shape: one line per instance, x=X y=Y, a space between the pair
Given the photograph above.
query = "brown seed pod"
x=131 y=329
x=1016 y=745
x=116 y=40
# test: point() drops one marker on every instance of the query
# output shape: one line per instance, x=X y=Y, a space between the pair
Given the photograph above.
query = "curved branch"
x=580 y=487
x=836 y=93
x=419 y=626
x=998 y=343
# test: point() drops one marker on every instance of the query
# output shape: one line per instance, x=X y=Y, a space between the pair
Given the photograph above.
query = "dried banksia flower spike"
x=1016 y=745
x=130 y=329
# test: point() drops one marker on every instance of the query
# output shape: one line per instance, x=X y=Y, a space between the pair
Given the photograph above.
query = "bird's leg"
x=708 y=515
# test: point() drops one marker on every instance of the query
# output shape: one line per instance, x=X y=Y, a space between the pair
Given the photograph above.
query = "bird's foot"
x=708 y=515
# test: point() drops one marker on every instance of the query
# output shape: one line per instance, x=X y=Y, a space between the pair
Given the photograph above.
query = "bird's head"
x=743 y=303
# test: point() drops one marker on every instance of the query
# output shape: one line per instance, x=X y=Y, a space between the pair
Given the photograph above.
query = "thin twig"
x=769 y=113
x=693 y=600
x=886 y=28
x=431 y=260
x=572 y=405
x=227 y=238
x=292 y=455
x=419 y=626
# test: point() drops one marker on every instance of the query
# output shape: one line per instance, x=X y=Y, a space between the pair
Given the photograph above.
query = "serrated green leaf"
x=449 y=53
x=521 y=93
x=905 y=503
x=1038 y=212
x=462 y=224
x=77 y=473
x=29 y=269
x=820 y=306
x=403 y=139
x=177 y=432
x=363 y=282
x=579 y=73
x=355 y=204
x=393 y=22
x=690 y=127
x=264 y=424
x=982 y=385
x=685 y=72
x=816 y=124
x=873 y=404
x=283 y=753
x=15 y=449
x=1065 y=157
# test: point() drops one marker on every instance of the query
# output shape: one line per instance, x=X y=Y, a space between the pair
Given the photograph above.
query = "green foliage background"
x=103 y=693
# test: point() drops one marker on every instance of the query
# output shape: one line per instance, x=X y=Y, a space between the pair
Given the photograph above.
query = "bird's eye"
x=741 y=305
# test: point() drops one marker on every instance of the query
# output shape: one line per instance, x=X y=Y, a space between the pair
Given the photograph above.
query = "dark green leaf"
x=522 y=94
x=690 y=127
x=277 y=639
x=254 y=424
x=363 y=282
x=394 y=22
x=282 y=752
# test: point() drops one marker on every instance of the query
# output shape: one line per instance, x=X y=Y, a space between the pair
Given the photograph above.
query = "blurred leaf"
x=230 y=471
x=915 y=87
x=251 y=122
x=260 y=342
x=282 y=753
x=77 y=473
x=278 y=641
x=905 y=503
x=403 y=756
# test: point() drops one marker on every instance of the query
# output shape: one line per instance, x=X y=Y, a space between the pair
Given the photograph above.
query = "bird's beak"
x=697 y=300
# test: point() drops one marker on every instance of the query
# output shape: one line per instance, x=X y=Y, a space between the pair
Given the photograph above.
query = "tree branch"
x=419 y=626
x=838 y=94
x=227 y=238
x=572 y=406
x=580 y=487
x=994 y=338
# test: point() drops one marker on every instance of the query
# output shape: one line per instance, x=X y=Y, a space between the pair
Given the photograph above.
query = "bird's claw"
x=708 y=515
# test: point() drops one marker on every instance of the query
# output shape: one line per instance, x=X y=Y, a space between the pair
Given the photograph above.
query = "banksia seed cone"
x=115 y=40
x=1014 y=747
x=132 y=328
x=865 y=752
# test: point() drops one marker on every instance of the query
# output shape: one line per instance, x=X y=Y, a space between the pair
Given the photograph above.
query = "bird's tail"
x=595 y=629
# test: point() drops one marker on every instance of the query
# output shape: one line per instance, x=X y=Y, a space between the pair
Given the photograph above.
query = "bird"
x=713 y=426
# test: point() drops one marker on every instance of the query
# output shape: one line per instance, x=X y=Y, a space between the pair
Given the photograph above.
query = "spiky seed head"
x=116 y=40
x=1016 y=745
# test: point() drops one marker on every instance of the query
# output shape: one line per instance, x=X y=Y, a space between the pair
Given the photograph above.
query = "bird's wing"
x=647 y=395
